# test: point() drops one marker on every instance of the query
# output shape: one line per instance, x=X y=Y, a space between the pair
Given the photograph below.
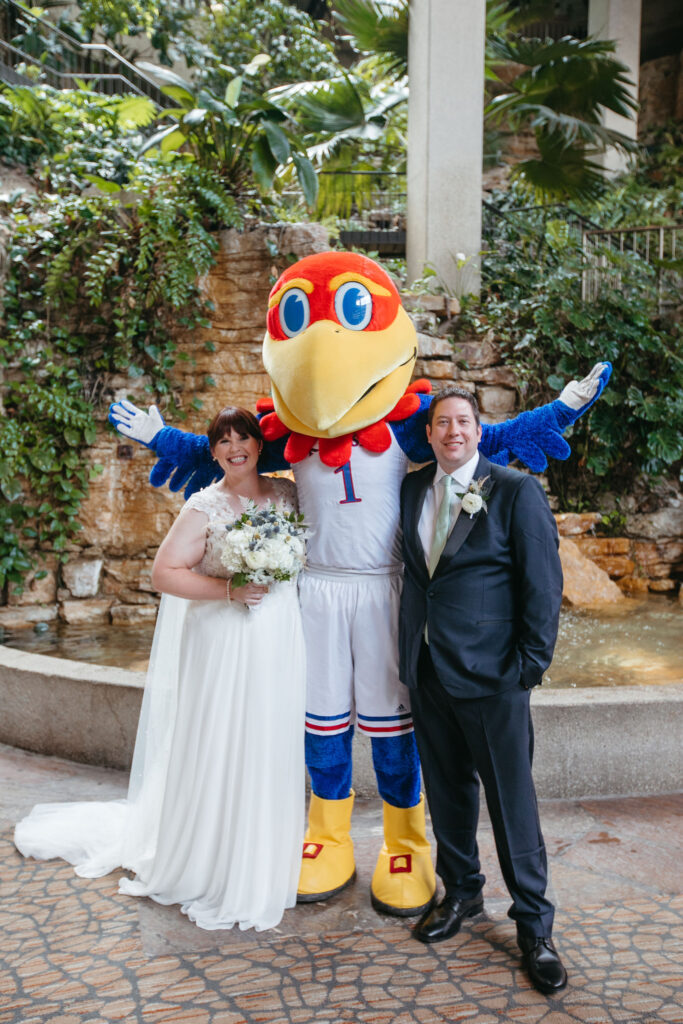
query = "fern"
x=100 y=266
x=61 y=267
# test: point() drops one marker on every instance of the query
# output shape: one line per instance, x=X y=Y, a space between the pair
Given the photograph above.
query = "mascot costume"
x=340 y=351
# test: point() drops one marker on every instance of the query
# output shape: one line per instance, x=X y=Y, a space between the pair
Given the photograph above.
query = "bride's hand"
x=250 y=594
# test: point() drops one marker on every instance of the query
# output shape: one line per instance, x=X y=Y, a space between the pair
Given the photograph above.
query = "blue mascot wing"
x=186 y=459
x=532 y=437
x=411 y=434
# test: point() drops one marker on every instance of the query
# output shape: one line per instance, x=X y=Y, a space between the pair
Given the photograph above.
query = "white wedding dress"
x=214 y=818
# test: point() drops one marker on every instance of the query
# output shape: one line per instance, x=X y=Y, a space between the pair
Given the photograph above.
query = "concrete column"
x=445 y=140
x=619 y=20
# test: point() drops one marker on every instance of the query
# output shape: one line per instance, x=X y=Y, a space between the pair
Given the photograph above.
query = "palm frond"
x=378 y=26
x=334 y=107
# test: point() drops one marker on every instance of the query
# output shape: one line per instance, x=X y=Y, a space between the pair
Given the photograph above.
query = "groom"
x=479 y=616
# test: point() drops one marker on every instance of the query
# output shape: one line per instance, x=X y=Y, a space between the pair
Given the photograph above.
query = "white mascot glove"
x=134 y=423
x=579 y=392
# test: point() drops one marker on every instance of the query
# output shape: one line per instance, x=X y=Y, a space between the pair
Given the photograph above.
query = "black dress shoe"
x=445 y=919
x=543 y=964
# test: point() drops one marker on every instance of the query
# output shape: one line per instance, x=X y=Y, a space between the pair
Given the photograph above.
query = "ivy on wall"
x=104 y=265
x=96 y=284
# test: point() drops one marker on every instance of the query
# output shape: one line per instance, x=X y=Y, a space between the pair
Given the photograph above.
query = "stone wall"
x=649 y=557
x=124 y=519
x=107 y=577
x=660 y=94
x=476 y=364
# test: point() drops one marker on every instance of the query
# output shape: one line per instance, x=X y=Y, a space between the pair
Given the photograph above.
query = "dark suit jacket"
x=493 y=603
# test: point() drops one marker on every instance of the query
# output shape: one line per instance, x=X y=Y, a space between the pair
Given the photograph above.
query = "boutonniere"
x=474 y=498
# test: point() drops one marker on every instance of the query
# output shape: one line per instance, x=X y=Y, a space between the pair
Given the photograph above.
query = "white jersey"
x=354 y=510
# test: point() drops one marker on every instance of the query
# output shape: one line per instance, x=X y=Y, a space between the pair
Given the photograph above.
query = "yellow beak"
x=329 y=380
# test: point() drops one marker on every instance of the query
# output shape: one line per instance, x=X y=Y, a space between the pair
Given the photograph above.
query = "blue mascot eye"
x=353 y=306
x=294 y=312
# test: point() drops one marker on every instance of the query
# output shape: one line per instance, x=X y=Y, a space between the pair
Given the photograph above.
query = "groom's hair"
x=233 y=417
x=453 y=391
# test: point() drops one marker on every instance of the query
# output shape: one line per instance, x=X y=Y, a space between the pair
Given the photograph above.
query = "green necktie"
x=441 y=528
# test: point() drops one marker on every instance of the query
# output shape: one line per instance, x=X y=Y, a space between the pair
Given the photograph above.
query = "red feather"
x=272 y=427
x=420 y=386
x=375 y=438
x=404 y=408
x=335 y=451
x=298 y=446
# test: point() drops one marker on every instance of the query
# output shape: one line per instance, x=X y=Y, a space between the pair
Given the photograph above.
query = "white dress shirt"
x=462 y=478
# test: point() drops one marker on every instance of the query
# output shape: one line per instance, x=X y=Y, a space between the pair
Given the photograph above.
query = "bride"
x=214 y=817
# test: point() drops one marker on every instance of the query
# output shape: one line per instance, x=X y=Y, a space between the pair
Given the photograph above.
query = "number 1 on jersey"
x=349 y=493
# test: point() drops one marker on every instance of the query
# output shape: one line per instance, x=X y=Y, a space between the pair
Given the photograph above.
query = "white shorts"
x=351 y=631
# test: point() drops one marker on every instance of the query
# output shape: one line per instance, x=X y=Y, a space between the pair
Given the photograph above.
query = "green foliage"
x=379 y=27
x=561 y=94
x=206 y=36
x=613 y=524
x=235 y=33
x=119 y=17
x=97 y=282
x=65 y=136
x=532 y=300
x=651 y=192
x=243 y=141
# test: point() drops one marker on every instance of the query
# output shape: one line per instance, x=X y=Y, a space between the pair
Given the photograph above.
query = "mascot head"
x=340 y=348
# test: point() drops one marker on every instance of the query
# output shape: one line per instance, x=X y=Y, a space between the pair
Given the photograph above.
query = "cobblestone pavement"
x=74 y=951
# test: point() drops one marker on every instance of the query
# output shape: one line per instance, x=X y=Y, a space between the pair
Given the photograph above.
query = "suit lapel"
x=465 y=523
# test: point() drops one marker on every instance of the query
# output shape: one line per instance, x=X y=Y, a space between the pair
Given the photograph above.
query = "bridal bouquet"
x=264 y=545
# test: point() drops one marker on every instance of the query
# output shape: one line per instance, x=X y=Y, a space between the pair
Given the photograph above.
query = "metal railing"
x=370 y=205
x=556 y=28
x=496 y=221
x=659 y=245
x=29 y=40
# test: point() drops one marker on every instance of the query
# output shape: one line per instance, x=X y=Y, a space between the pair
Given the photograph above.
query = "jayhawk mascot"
x=340 y=352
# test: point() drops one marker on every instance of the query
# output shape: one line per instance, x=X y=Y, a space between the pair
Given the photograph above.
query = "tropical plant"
x=650 y=193
x=235 y=33
x=104 y=267
x=532 y=300
x=378 y=27
x=241 y=140
x=62 y=136
x=561 y=95
x=97 y=286
x=204 y=35
x=116 y=18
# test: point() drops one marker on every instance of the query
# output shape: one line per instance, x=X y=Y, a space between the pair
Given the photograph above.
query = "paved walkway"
x=73 y=951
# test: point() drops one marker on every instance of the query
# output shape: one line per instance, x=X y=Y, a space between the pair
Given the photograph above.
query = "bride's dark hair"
x=233 y=417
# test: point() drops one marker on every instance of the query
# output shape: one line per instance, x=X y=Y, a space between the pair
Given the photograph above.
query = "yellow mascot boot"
x=327 y=865
x=404 y=882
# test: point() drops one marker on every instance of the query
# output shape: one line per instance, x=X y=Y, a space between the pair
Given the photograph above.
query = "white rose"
x=256 y=559
x=297 y=546
x=472 y=503
x=235 y=546
x=276 y=552
x=238 y=541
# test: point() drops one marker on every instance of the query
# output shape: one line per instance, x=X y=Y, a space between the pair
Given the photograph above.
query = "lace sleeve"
x=286 y=492
x=201 y=501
